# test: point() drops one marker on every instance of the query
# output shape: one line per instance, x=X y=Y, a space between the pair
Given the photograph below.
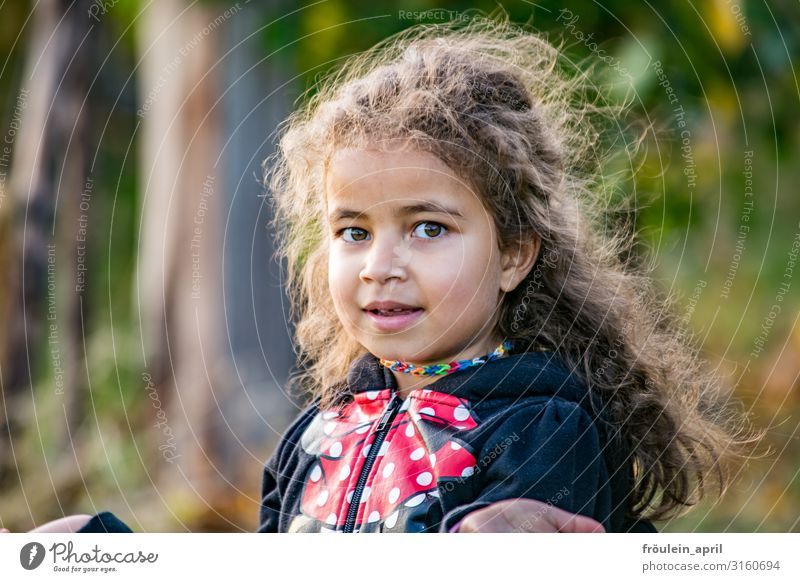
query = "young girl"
x=469 y=335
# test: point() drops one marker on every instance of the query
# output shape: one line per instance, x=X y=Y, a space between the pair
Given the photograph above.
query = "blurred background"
x=145 y=338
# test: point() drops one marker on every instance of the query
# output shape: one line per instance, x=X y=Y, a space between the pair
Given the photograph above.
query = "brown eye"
x=353 y=234
x=429 y=230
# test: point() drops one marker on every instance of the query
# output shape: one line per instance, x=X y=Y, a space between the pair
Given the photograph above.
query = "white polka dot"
x=365 y=452
x=468 y=471
x=435 y=493
x=344 y=473
x=460 y=412
x=391 y=521
x=415 y=416
x=460 y=426
x=428 y=410
x=384 y=448
x=329 y=414
x=416 y=500
x=336 y=449
x=362 y=429
x=387 y=470
x=328 y=530
x=405 y=405
x=331 y=519
x=350 y=496
x=410 y=430
x=454 y=445
x=417 y=454
x=372 y=394
x=323 y=498
x=329 y=428
x=373 y=517
x=432 y=459
x=394 y=495
x=424 y=478
x=365 y=494
x=316 y=473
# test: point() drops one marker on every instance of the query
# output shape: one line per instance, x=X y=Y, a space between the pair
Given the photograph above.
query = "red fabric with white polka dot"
x=405 y=473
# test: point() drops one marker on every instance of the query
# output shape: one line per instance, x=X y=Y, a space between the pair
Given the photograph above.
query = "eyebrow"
x=344 y=213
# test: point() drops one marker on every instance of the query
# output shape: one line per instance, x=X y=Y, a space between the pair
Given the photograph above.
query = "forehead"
x=359 y=177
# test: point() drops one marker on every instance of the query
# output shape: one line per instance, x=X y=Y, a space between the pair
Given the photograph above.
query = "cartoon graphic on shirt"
x=419 y=451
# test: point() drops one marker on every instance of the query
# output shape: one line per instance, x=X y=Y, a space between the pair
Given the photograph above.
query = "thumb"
x=583 y=524
x=566 y=522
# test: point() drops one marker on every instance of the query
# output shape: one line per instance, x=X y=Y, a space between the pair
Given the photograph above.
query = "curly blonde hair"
x=498 y=104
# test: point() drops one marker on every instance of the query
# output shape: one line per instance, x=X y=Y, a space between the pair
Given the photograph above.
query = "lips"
x=390 y=308
x=394 y=312
x=392 y=315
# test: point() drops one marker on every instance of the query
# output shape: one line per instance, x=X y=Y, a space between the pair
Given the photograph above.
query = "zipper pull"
x=387 y=415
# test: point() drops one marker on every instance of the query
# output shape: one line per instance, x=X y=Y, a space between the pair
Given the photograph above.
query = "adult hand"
x=68 y=524
x=526 y=516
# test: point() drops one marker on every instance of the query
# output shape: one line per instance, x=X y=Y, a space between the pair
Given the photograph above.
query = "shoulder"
x=532 y=377
x=292 y=435
x=301 y=421
x=538 y=389
x=546 y=421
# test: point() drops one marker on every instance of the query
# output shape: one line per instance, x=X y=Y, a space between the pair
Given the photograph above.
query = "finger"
x=565 y=522
x=68 y=524
x=476 y=523
x=4 y=530
x=582 y=524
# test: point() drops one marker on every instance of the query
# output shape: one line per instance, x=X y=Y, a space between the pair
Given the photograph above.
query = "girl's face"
x=414 y=270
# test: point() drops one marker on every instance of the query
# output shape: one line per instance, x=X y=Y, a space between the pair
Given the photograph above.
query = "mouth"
x=392 y=316
x=393 y=312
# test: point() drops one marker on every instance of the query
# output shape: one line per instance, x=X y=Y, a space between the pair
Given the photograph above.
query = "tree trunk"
x=178 y=276
x=50 y=165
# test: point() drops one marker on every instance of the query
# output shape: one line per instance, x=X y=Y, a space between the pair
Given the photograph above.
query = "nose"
x=386 y=260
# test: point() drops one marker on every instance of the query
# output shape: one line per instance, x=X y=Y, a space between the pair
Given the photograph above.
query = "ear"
x=517 y=261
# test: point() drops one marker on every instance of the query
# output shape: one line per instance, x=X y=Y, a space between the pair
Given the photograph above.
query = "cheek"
x=457 y=287
x=341 y=278
x=476 y=267
x=478 y=288
x=476 y=263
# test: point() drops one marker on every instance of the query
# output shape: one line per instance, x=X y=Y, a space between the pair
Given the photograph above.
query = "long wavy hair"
x=502 y=107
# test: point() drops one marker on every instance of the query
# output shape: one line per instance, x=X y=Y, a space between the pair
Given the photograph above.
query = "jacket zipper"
x=381 y=430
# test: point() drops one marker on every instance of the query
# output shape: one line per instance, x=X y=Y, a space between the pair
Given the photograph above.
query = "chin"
x=411 y=356
x=388 y=349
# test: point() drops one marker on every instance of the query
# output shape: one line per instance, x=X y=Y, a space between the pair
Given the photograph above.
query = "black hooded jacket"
x=519 y=426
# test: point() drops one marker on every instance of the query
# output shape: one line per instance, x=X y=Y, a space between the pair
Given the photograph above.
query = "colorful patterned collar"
x=444 y=369
x=518 y=374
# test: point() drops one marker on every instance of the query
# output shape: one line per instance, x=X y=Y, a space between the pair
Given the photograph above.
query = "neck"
x=407 y=384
